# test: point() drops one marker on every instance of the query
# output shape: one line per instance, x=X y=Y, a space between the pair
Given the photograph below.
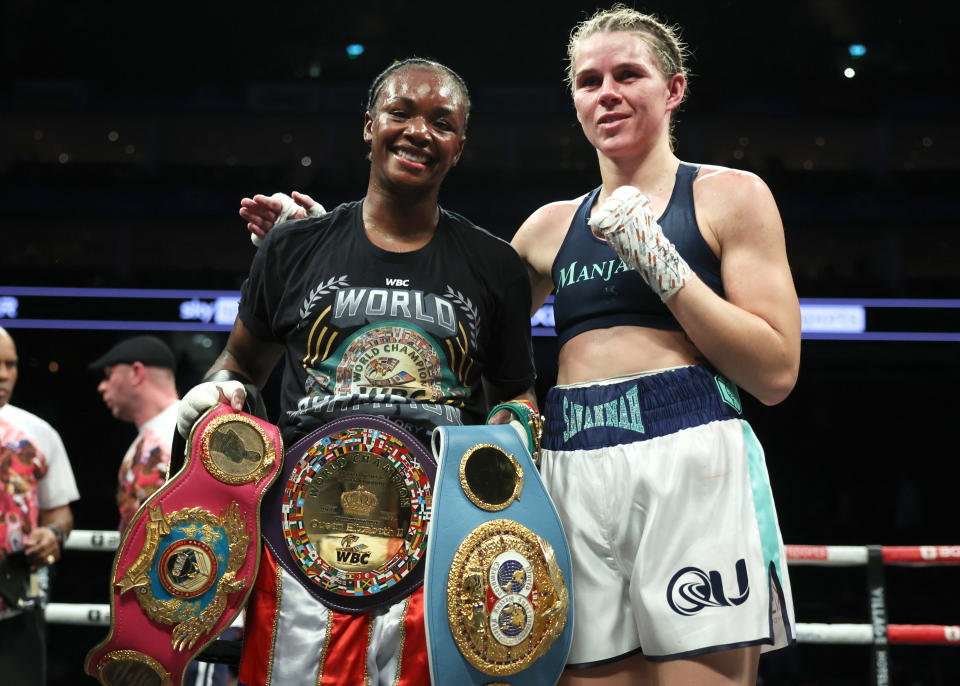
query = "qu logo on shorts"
x=691 y=589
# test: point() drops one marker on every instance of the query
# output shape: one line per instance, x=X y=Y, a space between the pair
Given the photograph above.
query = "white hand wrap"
x=627 y=222
x=201 y=398
x=288 y=210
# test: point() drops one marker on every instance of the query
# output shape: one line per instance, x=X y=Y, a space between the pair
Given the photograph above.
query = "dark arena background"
x=130 y=131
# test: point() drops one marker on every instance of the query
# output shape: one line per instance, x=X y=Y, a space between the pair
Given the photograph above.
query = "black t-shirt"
x=403 y=335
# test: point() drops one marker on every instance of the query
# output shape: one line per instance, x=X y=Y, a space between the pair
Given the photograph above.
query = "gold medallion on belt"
x=506 y=597
x=236 y=450
x=186 y=568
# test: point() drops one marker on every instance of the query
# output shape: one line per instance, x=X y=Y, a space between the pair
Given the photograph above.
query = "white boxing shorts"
x=664 y=496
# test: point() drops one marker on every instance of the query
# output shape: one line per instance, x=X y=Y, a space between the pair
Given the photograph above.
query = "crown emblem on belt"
x=358 y=503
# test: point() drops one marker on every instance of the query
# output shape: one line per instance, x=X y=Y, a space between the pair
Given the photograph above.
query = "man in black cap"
x=138 y=386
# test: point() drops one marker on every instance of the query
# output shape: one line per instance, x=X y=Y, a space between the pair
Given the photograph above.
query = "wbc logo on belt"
x=352 y=552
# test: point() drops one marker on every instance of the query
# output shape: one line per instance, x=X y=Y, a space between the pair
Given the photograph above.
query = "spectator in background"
x=36 y=489
x=138 y=386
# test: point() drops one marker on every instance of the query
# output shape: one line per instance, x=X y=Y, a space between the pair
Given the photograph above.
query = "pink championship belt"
x=187 y=561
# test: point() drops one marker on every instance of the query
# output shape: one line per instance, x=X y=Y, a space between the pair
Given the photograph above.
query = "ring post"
x=878 y=615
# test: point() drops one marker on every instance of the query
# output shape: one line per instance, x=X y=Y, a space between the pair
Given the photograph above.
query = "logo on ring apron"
x=355 y=509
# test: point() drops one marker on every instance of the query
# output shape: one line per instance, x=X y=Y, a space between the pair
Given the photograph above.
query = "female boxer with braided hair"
x=672 y=288
x=332 y=294
x=263 y=212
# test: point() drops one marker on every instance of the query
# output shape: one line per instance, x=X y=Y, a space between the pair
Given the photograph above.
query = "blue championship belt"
x=498 y=608
x=348 y=516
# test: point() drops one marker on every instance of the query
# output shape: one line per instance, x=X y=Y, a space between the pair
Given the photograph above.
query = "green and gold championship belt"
x=188 y=559
x=350 y=512
x=498 y=609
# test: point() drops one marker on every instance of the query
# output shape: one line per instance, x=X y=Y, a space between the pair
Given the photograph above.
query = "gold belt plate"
x=507 y=599
x=355 y=512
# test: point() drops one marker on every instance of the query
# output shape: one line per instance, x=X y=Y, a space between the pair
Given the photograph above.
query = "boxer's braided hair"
x=376 y=88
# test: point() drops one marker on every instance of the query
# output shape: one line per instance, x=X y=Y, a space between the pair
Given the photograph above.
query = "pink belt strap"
x=186 y=564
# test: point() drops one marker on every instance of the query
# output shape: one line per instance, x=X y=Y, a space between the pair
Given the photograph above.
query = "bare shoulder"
x=730 y=187
x=554 y=216
x=729 y=199
x=539 y=238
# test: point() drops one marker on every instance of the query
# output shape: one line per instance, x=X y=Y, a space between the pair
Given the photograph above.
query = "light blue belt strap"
x=498 y=573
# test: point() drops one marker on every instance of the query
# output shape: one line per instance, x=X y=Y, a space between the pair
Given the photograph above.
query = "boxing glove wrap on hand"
x=626 y=221
x=218 y=387
x=201 y=398
x=290 y=210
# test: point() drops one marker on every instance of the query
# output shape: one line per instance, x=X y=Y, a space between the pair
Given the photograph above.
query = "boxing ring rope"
x=877 y=633
x=852 y=556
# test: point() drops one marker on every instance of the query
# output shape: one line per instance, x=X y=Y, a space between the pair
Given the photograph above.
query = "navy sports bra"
x=595 y=290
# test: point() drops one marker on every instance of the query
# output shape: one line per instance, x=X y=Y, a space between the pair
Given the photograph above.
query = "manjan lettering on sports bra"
x=594 y=289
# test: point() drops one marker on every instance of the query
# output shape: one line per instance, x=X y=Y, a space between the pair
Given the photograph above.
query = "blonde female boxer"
x=672 y=289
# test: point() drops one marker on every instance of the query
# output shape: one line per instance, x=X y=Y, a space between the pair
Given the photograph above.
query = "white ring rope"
x=98 y=614
x=862 y=634
x=90 y=614
x=83 y=539
x=852 y=556
x=824 y=555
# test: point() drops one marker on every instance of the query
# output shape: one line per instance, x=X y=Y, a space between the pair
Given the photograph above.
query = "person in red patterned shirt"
x=138 y=386
x=36 y=489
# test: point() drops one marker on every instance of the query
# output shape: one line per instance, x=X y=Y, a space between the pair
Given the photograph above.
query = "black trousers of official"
x=23 y=649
